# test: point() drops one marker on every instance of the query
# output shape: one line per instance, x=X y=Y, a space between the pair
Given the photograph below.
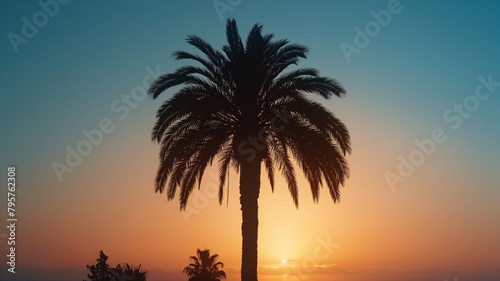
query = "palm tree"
x=204 y=267
x=243 y=108
x=129 y=272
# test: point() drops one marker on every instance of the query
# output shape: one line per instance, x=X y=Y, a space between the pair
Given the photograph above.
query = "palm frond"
x=235 y=94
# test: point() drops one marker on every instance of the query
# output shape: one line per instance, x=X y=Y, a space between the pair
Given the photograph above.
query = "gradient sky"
x=441 y=222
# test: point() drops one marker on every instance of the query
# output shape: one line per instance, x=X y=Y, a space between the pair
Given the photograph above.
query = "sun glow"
x=283 y=261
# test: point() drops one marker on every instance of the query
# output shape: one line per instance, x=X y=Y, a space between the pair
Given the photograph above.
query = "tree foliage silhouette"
x=203 y=267
x=241 y=107
x=101 y=271
x=129 y=272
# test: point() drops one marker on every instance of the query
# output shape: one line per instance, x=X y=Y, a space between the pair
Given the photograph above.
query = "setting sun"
x=283 y=261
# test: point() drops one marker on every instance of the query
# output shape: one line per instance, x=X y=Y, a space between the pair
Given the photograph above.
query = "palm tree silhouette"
x=129 y=272
x=204 y=268
x=241 y=107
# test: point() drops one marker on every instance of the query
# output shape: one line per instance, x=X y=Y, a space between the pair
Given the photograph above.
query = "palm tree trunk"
x=249 y=195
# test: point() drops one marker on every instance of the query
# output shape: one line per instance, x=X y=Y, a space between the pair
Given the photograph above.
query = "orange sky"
x=413 y=228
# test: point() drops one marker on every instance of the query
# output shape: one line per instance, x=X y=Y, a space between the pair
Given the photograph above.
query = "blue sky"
x=89 y=54
x=430 y=54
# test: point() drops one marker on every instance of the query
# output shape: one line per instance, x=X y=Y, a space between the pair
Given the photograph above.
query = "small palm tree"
x=203 y=267
x=129 y=272
x=242 y=108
